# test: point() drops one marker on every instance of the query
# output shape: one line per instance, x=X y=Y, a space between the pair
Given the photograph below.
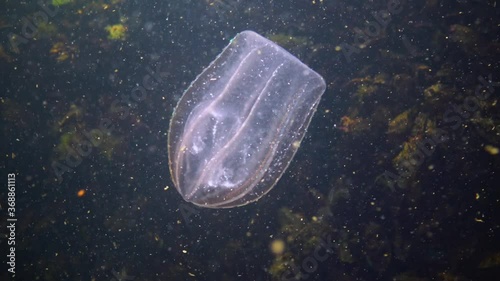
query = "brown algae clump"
x=116 y=31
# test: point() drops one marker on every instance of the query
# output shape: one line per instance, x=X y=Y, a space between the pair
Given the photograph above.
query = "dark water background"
x=355 y=203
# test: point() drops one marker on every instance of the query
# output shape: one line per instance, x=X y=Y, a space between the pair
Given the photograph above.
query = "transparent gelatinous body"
x=238 y=125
